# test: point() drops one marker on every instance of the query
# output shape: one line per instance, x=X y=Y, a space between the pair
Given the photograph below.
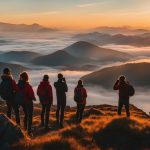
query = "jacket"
x=27 y=91
x=84 y=94
x=123 y=88
x=45 y=87
x=14 y=85
x=61 y=89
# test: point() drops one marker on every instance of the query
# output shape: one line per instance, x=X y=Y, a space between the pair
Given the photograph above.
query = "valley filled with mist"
x=98 y=56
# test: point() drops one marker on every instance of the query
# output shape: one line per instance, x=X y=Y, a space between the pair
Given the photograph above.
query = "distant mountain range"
x=79 y=54
x=137 y=74
x=119 y=30
x=20 y=56
x=119 y=39
x=8 y=27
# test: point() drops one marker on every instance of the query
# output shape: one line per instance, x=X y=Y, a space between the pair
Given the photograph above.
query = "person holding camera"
x=125 y=91
x=61 y=89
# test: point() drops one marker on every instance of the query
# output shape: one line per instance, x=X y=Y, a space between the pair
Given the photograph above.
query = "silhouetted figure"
x=8 y=89
x=124 y=94
x=24 y=98
x=61 y=89
x=45 y=94
x=80 y=96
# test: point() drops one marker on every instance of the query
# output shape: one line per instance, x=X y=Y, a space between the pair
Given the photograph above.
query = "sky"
x=76 y=13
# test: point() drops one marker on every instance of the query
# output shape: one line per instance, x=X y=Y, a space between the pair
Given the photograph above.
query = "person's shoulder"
x=83 y=88
x=28 y=85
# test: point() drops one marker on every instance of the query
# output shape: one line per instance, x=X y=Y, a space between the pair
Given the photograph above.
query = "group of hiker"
x=21 y=94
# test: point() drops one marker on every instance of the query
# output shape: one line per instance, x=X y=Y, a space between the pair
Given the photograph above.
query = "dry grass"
x=101 y=129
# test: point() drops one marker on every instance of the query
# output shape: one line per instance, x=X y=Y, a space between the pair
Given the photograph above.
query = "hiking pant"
x=45 y=114
x=12 y=106
x=121 y=104
x=60 y=111
x=28 y=114
x=79 y=113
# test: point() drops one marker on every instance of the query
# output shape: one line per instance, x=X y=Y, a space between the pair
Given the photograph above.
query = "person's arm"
x=15 y=87
x=38 y=90
x=50 y=93
x=116 y=85
x=85 y=93
x=65 y=85
x=31 y=93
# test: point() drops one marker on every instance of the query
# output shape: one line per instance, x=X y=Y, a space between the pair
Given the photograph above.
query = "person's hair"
x=80 y=83
x=45 y=77
x=24 y=76
x=122 y=78
x=60 y=76
x=7 y=71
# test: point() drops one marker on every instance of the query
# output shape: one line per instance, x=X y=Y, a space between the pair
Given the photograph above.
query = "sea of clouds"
x=49 y=43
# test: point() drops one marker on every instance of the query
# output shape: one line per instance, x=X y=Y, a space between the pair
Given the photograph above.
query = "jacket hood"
x=6 y=77
x=21 y=84
x=80 y=86
x=44 y=83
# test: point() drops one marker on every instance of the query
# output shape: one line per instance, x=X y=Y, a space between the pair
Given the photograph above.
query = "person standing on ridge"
x=80 y=96
x=125 y=91
x=45 y=93
x=25 y=97
x=8 y=89
x=61 y=89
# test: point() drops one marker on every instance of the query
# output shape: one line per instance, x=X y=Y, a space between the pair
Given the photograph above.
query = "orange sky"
x=80 y=14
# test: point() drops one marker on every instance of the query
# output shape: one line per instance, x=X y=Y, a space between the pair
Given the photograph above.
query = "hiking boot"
x=48 y=128
x=61 y=125
x=42 y=124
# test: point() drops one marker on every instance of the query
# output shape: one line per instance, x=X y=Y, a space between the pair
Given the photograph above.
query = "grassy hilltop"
x=101 y=129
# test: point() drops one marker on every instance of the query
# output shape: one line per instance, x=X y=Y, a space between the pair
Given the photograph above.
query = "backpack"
x=131 y=90
x=6 y=90
x=42 y=93
x=78 y=97
x=20 y=97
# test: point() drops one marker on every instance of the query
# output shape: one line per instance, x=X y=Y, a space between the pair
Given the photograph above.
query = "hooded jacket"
x=84 y=94
x=61 y=89
x=45 y=87
x=27 y=91
x=5 y=77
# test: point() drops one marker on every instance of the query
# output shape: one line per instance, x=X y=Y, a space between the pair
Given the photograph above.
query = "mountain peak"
x=83 y=45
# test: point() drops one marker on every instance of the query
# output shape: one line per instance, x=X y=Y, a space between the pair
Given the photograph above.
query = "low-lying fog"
x=46 y=44
x=96 y=95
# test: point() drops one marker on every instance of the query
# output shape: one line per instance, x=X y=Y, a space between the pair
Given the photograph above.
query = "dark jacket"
x=5 y=77
x=84 y=94
x=45 y=88
x=61 y=89
x=123 y=88
x=27 y=91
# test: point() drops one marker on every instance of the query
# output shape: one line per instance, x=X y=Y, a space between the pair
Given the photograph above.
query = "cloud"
x=90 y=4
x=40 y=13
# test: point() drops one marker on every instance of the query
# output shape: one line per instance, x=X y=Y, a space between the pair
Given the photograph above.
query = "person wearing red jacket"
x=123 y=88
x=8 y=89
x=80 y=95
x=45 y=93
x=27 y=96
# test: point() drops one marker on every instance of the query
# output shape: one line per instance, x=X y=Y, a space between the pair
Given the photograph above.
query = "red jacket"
x=45 y=87
x=84 y=94
x=27 y=91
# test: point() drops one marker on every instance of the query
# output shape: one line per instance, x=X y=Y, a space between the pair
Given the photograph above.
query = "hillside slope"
x=96 y=132
x=137 y=74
